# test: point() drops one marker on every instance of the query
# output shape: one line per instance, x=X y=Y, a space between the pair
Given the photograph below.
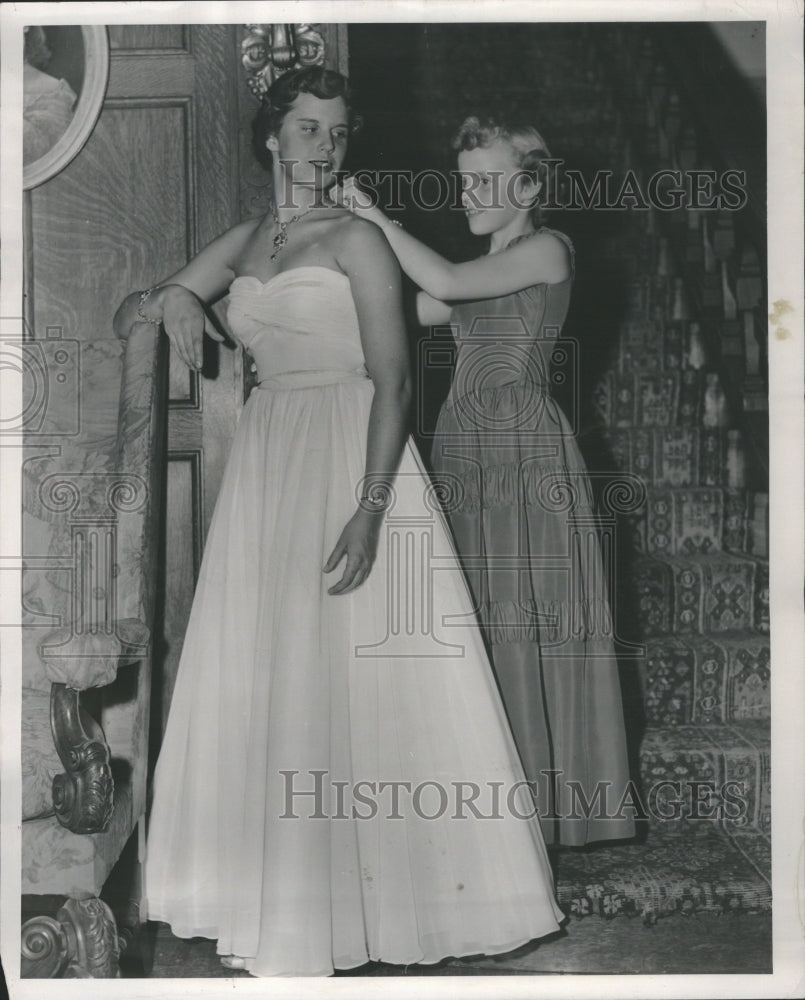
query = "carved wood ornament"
x=79 y=943
x=83 y=798
x=269 y=50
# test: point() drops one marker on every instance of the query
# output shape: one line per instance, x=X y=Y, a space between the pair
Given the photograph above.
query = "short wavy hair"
x=325 y=84
x=530 y=149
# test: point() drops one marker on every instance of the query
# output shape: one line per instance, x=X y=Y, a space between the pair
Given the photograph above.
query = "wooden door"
x=158 y=179
x=173 y=92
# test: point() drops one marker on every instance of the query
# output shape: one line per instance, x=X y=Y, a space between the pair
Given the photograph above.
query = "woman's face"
x=495 y=190
x=312 y=141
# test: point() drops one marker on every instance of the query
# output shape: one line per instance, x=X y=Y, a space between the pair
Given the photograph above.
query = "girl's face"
x=312 y=141
x=495 y=192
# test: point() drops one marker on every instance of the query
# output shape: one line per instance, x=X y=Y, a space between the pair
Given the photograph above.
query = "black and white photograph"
x=402 y=499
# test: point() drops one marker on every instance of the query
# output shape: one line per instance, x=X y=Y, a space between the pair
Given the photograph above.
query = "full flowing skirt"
x=271 y=829
x=520 y=505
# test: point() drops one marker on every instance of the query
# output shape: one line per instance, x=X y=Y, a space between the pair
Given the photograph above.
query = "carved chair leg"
x=80 y=943
x=83 y=797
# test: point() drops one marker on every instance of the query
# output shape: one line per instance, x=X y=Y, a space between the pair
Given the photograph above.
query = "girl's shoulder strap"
x=545 y=229
x=568 y=243
x=559 y=235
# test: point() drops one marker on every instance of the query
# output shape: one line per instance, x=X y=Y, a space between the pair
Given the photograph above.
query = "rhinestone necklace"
x=282 y=236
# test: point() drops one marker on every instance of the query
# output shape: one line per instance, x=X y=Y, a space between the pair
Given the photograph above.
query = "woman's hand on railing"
x=184 y=320
x=178 y=310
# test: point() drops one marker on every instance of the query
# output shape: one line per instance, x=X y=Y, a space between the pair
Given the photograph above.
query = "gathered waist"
x=463 y=391
x=312 y=377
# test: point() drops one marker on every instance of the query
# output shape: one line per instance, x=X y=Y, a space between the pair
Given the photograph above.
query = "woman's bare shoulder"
x=241 y=233
x=359 y=235
x=340 y=222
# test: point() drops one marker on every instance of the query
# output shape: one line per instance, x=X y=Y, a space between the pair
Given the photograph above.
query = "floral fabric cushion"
x=71 y=452
x=58 y=862
x=86 y=455
x=40 y=762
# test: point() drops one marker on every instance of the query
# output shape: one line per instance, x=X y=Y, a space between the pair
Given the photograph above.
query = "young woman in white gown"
x=373 y=692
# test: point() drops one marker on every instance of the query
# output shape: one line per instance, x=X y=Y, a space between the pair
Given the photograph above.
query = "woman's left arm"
x=374 y=276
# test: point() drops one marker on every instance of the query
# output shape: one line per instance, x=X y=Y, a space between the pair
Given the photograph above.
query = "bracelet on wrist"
x=144 y=297
x=374 y=504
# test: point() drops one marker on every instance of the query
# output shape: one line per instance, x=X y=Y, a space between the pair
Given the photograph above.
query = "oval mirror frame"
x=93 y=91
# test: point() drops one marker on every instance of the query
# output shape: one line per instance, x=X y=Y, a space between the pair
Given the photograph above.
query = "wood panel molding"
x=114 y=219
x=150 y=75
x=149 y=39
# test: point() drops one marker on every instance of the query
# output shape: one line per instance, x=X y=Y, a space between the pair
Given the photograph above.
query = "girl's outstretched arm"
x=430 y=311
x=542 y=259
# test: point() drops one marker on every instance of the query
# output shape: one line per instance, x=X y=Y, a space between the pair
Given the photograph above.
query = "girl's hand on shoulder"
x=358 y=542
x=185 y=322
x=358 y=202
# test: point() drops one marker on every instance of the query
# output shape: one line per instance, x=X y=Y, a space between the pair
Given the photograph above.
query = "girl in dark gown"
x=519 y=499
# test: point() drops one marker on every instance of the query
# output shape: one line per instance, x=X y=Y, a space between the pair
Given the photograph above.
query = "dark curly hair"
x=325 y=84
x=530 y=149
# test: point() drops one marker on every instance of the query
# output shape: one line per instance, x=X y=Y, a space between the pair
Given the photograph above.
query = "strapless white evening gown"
x=283 y=689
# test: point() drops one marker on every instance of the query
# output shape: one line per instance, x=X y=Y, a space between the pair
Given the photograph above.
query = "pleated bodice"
x=300 y=325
